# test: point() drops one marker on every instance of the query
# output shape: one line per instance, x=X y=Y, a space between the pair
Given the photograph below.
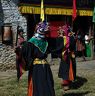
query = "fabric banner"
x=93 y=20
x=42 y=10
x=31 y=9
x=74 y=14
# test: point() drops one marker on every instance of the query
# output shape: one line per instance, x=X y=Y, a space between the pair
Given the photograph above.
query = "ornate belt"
x=39 y=61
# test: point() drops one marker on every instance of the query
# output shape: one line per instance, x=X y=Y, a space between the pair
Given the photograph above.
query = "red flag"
x=74 y=14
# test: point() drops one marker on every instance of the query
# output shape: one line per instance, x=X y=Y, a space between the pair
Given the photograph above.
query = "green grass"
x=83 y=86
x=11 y=87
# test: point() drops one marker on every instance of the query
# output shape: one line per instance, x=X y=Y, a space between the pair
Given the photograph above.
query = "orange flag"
x=74 y=13
x=71 y=74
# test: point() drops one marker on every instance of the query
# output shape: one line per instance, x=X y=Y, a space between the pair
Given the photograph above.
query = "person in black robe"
x=66 y=52
x=34 y=53
x=65 y=49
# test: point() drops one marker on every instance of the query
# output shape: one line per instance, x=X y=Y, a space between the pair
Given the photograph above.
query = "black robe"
x=41 y=75
x=64 y=67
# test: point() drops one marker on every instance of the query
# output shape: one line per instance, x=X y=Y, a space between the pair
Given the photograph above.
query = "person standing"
x=80 y=45
x=67 y=68
x=87 y=45
x=34 y=52
x=19 y=42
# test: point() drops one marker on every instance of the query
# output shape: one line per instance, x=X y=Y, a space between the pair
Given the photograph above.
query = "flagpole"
x=74 y=13
x=42 y=15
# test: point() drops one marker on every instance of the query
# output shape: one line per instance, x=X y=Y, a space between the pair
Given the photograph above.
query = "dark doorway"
x=83 y=23
x=81 y=27
x=32 y=20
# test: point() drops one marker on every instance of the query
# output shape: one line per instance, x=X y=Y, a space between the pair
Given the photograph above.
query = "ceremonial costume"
x=67 y=69
x=19 y=42
x=34 y=52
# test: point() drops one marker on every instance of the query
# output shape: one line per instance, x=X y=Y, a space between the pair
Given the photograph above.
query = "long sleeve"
x=27 y=53
x=56 y=45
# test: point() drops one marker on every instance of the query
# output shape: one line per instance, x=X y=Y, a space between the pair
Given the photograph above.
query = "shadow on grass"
x=78 y=83
x=76 y=94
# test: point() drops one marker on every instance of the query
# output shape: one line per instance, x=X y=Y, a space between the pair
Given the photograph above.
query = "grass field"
x=83 y=86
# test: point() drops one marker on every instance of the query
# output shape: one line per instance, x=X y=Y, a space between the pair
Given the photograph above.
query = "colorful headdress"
x=60 y=31
x=42 y=27
x=65 y=29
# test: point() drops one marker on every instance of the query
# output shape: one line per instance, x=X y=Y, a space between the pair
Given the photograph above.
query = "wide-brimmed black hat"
x=19 y=29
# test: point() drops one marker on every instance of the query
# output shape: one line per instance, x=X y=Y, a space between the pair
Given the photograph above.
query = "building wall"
x=9 y=14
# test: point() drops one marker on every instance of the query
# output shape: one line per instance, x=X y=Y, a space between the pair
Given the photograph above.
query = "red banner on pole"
x=74 y=14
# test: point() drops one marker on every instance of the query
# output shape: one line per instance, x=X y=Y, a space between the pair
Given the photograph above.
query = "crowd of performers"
x=32 y=57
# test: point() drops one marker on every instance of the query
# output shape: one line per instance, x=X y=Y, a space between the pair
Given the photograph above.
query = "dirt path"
x=87 y=65
x=7 y=74
x=84 y=86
